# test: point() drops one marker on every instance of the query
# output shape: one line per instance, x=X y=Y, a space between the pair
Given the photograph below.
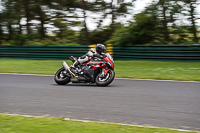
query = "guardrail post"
x=109 y=49
x=92 y=46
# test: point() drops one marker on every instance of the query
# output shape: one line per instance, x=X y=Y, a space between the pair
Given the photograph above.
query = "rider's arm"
x=91 y=52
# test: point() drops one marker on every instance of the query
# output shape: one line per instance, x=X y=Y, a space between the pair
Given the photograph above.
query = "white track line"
x=160 y=80
x=115 y=78
x=24 y=74
x=67 y=119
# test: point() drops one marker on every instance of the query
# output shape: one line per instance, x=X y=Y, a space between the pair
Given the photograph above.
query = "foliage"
x=64 y=30
x=22 y=39
x=23 y=21
x=51 y=42
x=143 y=31
x=190 y=7
x=120 y=37
x=100 y=36
x=152 y=26
x=34 y=40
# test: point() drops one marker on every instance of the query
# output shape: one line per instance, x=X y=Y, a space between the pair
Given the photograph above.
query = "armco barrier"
x=158 y=52
x=42 y=52
x=133 y=52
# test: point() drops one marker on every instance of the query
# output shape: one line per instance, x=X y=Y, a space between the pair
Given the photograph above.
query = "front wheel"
x=106 y=79
x=62 y=76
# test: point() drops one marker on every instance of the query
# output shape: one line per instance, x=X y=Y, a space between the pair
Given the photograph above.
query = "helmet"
x=100 y=48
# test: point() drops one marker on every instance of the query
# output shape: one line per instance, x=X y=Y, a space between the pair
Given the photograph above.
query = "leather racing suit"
x=91 y=53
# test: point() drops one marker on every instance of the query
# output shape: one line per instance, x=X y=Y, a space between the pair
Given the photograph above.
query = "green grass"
x=21 y=124
x=189 y=71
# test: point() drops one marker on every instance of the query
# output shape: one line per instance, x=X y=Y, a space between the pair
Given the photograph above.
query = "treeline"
x=64 y=22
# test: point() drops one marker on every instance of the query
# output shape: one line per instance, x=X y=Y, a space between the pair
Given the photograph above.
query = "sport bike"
x=96 y=70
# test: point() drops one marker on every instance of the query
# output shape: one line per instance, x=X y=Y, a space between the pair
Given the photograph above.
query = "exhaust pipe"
x=67 y=68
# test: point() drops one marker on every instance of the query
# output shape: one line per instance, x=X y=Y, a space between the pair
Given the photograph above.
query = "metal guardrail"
x=158 y=52
x=42 y=52
x=133 y=52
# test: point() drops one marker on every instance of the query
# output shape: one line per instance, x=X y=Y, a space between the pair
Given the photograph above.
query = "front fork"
x=104 y=71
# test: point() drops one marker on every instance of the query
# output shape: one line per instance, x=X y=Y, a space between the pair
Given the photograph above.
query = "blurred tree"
x=9 y=18
x=41 y=17
x=64 y=31
x=116 y=9
x=1 y=31
x=167 y=14
x=156 y=25
x=160 y=22
x=191 y=6
x=2 y=35
x=80 y=10
x=121 y=37
x=164 y=6
x=172 y=30
x=112 y=10
x=167 y=10
x=85 y=6
x=26 y=9
x=101 y=35
x=12 y=17
x=142 y=31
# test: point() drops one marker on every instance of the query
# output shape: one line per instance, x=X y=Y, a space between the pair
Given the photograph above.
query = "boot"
x=76 y=66
x=76 y=63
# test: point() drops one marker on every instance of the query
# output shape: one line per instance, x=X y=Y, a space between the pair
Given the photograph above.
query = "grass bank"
x=21 y=124
x=188 y=71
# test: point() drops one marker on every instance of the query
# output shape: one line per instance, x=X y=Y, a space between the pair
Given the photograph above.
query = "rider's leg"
x=81 y=60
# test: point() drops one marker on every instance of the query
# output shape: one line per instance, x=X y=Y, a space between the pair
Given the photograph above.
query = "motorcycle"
x=96 y=70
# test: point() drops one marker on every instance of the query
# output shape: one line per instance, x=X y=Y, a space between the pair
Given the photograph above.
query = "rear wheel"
x=62 y=76
x=105 y=79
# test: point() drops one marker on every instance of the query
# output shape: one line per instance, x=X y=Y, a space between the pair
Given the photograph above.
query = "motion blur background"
x=85 y=22
x=131 y=29
x=37 y=34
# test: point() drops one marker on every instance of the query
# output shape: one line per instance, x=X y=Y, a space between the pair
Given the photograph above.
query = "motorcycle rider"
x=97 y=52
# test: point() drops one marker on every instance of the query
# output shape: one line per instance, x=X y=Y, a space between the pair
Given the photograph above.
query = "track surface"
x=155 y=103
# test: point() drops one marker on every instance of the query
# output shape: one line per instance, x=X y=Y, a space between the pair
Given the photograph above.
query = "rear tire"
x=105 y=80
x=61 y=77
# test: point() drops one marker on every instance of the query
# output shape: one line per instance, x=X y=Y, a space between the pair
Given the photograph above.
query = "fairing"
x=99 y=65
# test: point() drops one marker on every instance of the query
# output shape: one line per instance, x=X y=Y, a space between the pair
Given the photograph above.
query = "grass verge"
x=21 y=124
x=188 y=71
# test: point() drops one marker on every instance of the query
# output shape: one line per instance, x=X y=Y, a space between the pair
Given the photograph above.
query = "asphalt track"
x=139 y=102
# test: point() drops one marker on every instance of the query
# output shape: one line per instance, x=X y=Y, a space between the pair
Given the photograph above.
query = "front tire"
x=62 y=76
x=106 y=80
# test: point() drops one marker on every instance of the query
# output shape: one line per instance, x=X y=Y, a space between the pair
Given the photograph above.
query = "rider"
x=98 y=52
